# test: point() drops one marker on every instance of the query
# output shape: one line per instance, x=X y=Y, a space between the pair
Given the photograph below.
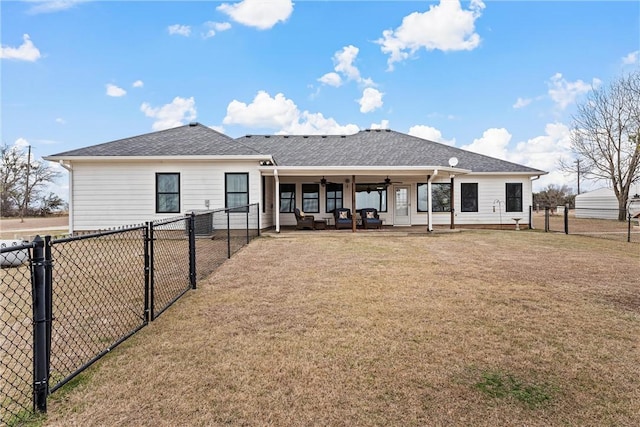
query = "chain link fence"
x=67 y=302
x=598 y=223
x=16 y=333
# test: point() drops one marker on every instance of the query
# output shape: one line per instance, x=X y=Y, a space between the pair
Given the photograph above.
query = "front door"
x=401 y=210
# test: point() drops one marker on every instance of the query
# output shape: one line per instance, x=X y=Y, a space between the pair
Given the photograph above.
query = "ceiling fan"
x=387 y=182
x=323 y=182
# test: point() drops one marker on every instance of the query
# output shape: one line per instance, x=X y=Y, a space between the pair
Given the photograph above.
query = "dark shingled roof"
x=379 y=147
x=189 y=140
x=373 y=148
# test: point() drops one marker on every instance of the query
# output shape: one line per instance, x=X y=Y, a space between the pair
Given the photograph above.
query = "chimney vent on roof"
x=267 y=136
x=367 y=130
x=388 y=130
x=286 y=136
x=305 y=136
x=343 y=136
x=192 y=124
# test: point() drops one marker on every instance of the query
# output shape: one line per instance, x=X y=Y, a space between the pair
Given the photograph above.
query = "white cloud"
x=115 y=91
x=282 y=114
x=260 y=14
x=631 y=58
x=21 y=143
x=181 y=30
x=430 y=133
x=138 y=83
x=177 y=113
x=493 y=143
x=218 y=128
x=50 y=6
x=445 y=27
x=522 y=102
x=331 y=79
x=25 y=52
x=384 y=124
x=371 y=100
x=61 y=121
x=564 y=93
x=343 y=61
x=215 y=27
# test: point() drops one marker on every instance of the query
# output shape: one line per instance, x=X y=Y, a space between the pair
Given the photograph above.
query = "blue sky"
x=497 y=77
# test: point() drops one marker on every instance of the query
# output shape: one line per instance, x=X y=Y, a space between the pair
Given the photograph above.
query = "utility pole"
x=26 y=188
x=578 y=170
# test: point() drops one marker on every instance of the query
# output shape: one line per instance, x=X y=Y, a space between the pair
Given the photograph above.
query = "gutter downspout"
x=429 y=198
x=70 y=170
x=277 y=208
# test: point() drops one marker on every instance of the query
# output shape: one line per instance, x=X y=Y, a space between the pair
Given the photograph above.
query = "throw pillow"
x=302 y=214
x=343 y=215
x=370 y=215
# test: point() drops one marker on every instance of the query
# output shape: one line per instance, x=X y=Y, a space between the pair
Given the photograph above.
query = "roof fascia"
x=361 y=170
x=154 y=158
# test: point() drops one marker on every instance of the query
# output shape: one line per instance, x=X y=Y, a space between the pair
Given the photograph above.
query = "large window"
x=167 y=192
x=371 y=196
x=237 y=191
x=334 y=196
x=440 y=197
x=311 y=198
x=469 y=197
x=514 y=197
x=287 y=198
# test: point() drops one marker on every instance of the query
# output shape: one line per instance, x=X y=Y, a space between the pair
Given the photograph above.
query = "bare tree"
x=22 y=180
x=606 y=136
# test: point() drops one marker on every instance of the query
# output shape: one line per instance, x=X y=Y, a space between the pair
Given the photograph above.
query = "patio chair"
x=370 y=218
x=342 y=218
x=303 y=221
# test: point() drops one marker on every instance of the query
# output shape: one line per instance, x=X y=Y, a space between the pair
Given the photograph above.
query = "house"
x=193 y=167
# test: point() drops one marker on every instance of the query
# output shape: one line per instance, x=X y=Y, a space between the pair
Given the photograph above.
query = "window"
x=371 y=196
x=440 y=197
x=167 y=192
x=287 y=198
x=469 y=197
x=236 y=187
x=334 y=196
x=311 y=198
x=514 y=197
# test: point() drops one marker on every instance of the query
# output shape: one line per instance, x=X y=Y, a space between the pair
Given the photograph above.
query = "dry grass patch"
x=474 y=328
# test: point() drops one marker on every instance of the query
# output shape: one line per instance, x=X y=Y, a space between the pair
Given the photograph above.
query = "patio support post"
x=277 y=191
x=429 y=198
x=353 y=203
x=453 y=224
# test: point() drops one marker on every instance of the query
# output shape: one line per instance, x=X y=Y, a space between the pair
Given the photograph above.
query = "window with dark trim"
x=514 y=197
x=371 y=196
x=236 y=190
x=167 y=192
x=440 y=197
x=311 y=198
x=334 y=196
x=287 y=198
x=469 y=197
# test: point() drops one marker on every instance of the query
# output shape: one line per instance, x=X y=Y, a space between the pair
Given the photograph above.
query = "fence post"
x=147 y=272
x=192 y=250
x=247 y=225
x=228 y=234
x=152 y=315
x=40 y=339
x=546 y=219
x=531 y=218
x=258 y=219
x=629 y=228
x=566 y=218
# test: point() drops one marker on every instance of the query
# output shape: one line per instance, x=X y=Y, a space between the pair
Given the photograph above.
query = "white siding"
x=107 y=195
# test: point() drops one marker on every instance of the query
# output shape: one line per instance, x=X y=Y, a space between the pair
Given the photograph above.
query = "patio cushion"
x=343 y=215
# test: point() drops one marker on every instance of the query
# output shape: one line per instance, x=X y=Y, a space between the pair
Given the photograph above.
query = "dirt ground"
x=13 y=228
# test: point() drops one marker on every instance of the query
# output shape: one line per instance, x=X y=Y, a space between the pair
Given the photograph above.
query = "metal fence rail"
x=70 y=301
